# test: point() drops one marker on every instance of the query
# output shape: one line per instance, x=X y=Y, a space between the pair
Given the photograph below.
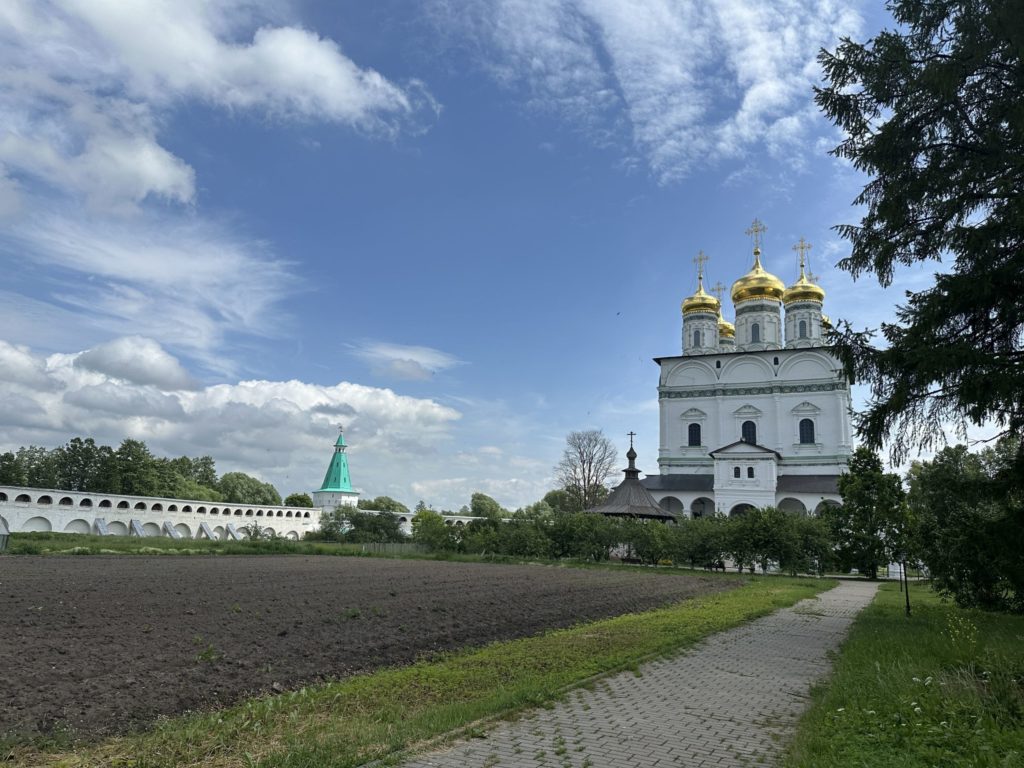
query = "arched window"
x=806 y=431
x=693 y=434
x=750 y=472
x=736 y=472
x=755 y=333
x=748 y=432
x=802 y=333
x=696 y=338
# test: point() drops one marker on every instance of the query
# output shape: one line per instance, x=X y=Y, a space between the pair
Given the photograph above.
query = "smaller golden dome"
x=701 y=301
x=803 y=290
x=725 y=328
x=758 y=284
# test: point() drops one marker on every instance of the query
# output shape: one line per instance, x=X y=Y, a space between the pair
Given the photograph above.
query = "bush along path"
x=731 y=701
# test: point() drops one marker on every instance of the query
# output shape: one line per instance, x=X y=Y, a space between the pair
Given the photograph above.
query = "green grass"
x=377 y=715
x=84 y=544
x=943 y=688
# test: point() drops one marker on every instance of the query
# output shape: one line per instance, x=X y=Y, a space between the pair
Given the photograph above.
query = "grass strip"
x=374 y=716
x=942 y=688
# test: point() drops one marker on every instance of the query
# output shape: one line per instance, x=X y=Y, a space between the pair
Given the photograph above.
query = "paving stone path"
x=732 y=700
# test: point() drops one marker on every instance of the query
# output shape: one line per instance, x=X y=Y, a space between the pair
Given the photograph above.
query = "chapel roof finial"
x=631 y=470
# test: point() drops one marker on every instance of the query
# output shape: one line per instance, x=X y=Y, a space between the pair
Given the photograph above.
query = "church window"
x=696 y=338
x=748 y=432
x=755 y=333
x=803 y=329
x=736 y=472
x=718 y=363
x=806 y=431
x=775 y=361
x=693 y=434
x=750 y=472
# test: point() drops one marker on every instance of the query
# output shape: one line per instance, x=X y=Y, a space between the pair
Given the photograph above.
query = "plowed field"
x=102 y=645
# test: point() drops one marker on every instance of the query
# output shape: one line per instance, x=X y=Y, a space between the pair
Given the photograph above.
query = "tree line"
x=131 y=468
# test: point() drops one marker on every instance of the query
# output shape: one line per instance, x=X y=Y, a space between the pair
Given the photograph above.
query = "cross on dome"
x=802 y=248
x=718 y=290
x=756 y=230
x=700 y=260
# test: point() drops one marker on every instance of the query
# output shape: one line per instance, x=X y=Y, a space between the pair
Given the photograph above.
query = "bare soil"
x=103 y=645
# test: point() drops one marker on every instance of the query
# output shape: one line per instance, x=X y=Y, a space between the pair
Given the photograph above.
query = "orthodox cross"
x=802 y=248
x=756 y=230
x=631 y=436
x=700 y=260
x=341 y=430
x=718 y=290
x=812 y=277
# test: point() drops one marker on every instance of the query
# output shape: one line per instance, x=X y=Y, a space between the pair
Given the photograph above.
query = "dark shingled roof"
x=679 y=482
x=808 y=483
x=630 y=498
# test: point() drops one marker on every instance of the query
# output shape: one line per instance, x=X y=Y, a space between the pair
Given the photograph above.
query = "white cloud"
x=84 y=85
x=401 y=361
x=693 y=82
x=138 y=360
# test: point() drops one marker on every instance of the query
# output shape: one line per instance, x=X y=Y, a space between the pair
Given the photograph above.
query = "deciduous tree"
x=587 y=461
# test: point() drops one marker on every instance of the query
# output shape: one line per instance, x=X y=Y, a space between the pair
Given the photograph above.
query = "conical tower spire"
x=337 y=478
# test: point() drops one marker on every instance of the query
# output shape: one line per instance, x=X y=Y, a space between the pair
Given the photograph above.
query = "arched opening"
x=741 y=509
x=270 y=532
x=696 y=338
x=117 y=528
x=150 y=529
x=280 y=513
x=673 y=505
x=78 y=526
x=202 y=510
x=3 y=497
x=305 y=514
x=141 y=505
x=806 y=432
x=293 y=535
x=22 y=498
x=218 y=532
x=44 y=500
x=184 y=530
x=213 y=510
x=826 y=505
x=750 y=473
x=237 y=512
x=37 y=525
x=702 y=507
x=736 y=472
x=104 y=504
x=693 y=435
x=755 y=333
x=288 y=513
x=792 y=505
x=85 y=503
x=458 y=523
x=187 y=508
x=66 y=502
x=748 y=432
x=172 y=508
x=248 y=513
x=122 y=505
x=802 y=332
x=400 y=520
x=157 y=507
x=259 y=513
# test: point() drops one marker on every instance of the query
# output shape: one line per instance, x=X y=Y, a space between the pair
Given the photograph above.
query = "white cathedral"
x=753 y=414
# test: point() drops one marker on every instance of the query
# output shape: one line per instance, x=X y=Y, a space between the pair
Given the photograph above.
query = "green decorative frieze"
x=777 y=389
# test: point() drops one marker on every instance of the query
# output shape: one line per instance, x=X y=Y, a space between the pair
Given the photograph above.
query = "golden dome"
x=803 y=290
x=701 y=301
x=725 y=328
x=758 y=284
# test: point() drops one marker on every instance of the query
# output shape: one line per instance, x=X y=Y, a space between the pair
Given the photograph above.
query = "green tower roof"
x=337 y=477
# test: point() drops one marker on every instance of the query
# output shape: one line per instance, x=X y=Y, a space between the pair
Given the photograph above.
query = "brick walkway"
x=732 y=700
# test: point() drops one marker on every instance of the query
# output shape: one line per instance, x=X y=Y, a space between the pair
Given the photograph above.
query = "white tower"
x=803 y=302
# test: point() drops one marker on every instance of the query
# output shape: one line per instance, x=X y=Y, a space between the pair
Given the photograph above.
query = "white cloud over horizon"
x=691 y=84
x=281 y=431
x=402 y=361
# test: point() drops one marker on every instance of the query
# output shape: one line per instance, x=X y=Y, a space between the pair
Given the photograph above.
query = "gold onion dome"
x=758 y=284
x=803 y=290
x=725 y=328
x=701 y=301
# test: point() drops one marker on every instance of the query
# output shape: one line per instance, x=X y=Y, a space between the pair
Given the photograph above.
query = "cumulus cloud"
x=138 y=360
x=690 y=82
x=280 y=430
x=85 y=84
x=404 y=362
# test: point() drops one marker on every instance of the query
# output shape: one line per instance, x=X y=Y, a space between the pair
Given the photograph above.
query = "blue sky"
x=462 y=229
